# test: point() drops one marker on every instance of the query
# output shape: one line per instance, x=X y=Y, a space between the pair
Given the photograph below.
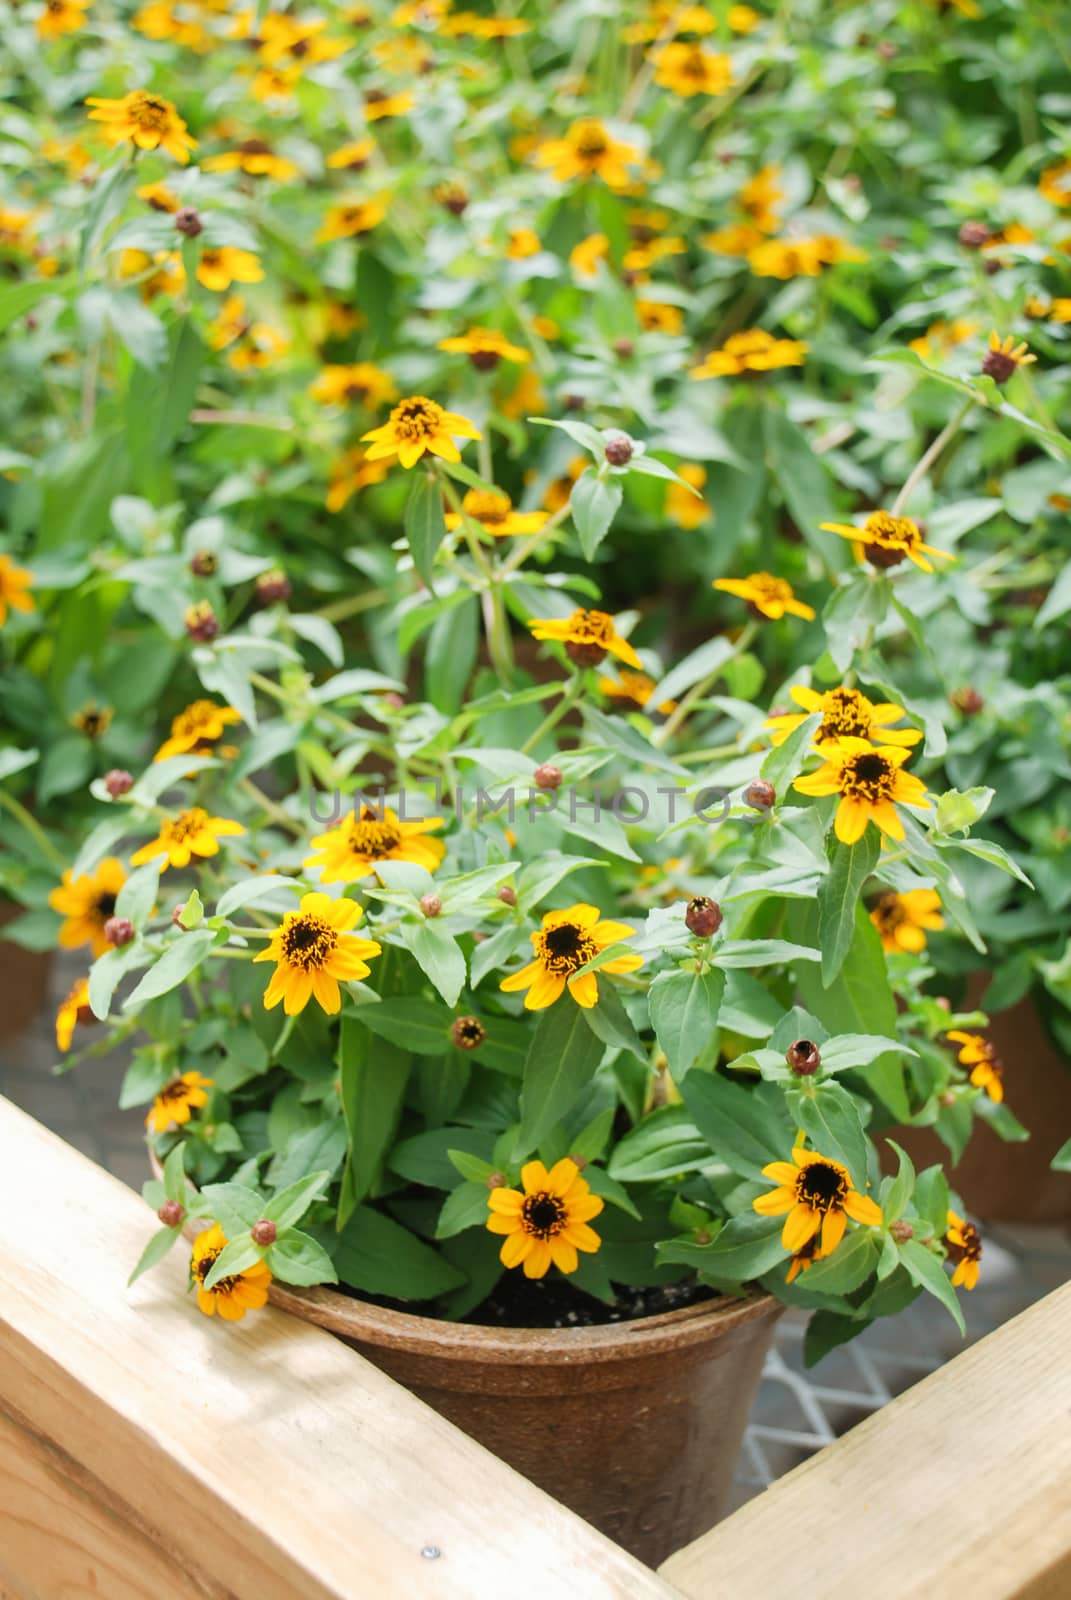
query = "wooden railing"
x=145 y=1452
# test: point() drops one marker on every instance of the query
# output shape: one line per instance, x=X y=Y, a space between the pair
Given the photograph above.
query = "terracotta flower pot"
x=998 y=1181
x=636 y=1425
x=24 y=978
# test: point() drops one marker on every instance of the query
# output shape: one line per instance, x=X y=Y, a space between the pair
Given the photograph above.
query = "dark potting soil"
x=520 y=1302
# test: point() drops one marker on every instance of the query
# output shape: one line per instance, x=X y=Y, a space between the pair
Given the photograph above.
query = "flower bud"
x=431 y=905
x=702 y=1236
x=547 y=776
x=201 y=621
x=496 y=1180
x=573 y=402
x=703 y=916
x=188 y=221
x=118 y=782
x=618 y=450
x=393 y=699
x=901 y=1231
x=967 y=700
x=468 y=1033
x=264 y=1232
x=946 y=1100
x=803 y=1058
x=999 y=365
x=973 y=235
x=507 y=895
x=760 y=795
x=171 y=1214
x=176 y=916
x=624 y=348
x=579 y=1162
x=272 y=586
x=204 y=563
x=119 y=931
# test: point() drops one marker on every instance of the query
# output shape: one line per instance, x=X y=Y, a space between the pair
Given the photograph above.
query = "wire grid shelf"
x=796 y=1412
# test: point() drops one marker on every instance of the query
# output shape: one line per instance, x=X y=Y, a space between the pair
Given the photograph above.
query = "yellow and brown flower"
x=545 y=1222
x=964 y=1245
x=846 y=714
x=14 y=588
x=202 y=723
x=567 y=941
x=766 y=596
x=193 y=833
x=587 y=150
x=903 y=920
x=817 y=1194
x=233 y=1295
x=588 y=636
x=415 y=426
x=355 y=848
x=870 y=784
x=177 y=1101
x=494 y=511
x=86 y=903
x=145 y=120
x=886 y=539
x=314 y=950
x=987 y=1069
x=74 y=1008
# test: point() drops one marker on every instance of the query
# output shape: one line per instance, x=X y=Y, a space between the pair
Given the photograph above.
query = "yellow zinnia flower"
x=354 y=849
x=162 y=273
x=494 y=511
x=378 y=106
x=659 y=316
x=818 y=1196
x=352 y=219
x=766 y=595
x=523 y=242
x=315 y=950
x=545 y=1222
x=1004 y=357
x=1055 y=184
x=634 y=689
x=146 y=120
x=588 y=151
x=14 y=583
x=177 y=1101
x=73 y=1008
x=160 y=197
x=752 y=351
x=201 y=723
x=903 y=919
x=805 y=1257
x=191 y=833
x=485 y=348
x=257 y=159
x=584 y=257
x=60 y=17
x=350 y=473
x=416 y=425
x=86 y=903
x=964 y=1245
x=736 y=241
x=219 y=268
x=362 y=381
x=846 y=714
x=587 y=636
x=987 y=1069
x=352 y=157
x=687 y=510
x=886 y=540
x=689 y=69
x=233 y=1295
x=870 y=784
x=567 y=941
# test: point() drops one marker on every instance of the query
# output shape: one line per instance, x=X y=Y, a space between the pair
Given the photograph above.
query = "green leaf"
x=745 y=1248
x=852 y=615
x=422 y=1026
x=137 y=897
x=826 y=1330
x=378 y=1255
x=701 y=663
x=429 y=1159
x=300 y=1259
x=745 y=1128
x=465 y=1208
x=234 y=1258
x=471 y=1167
x=957 y=812
x=785 y=761
x=440 y=957
x=425 y=527
x=233 y=1206
x=665 y=1144
x=848 y=1268
x=250 y=891
x=156 y=1249
x=830 y=1116
x=372 y=1082
x=684 y=1009
x=289 y=1206
x=896 y=1192
x=108 y=971
x=593 y=505
x=850 y=866
x=1061 y=1161
x=763 y=953
x=610 y=1022
x=182 y=956
x=562 y=1060
x=175 y=1175
x=927 y=1271
x=805 y=484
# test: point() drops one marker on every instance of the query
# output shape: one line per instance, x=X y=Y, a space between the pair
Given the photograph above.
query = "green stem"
x=929 y=456
x=569 y=698
x=664 y=734
x=34 y=829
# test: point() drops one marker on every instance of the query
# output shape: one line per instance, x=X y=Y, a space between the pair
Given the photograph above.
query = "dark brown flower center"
x=565 y=949
x=889 y=913
x=868 y=776
x=203 y=1266
x=308 y=941
x=543 y=1215
x=591 y=142
x=184 y=824
x=844 y=717
x=822 y=1186
x=417 y=418
x=369 y=836
x=149 y=113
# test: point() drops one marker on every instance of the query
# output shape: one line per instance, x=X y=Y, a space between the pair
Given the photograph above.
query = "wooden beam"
x=961 y=1486
x=148 y=1451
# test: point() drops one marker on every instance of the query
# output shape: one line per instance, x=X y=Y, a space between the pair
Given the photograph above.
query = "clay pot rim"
x=349 y=1317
